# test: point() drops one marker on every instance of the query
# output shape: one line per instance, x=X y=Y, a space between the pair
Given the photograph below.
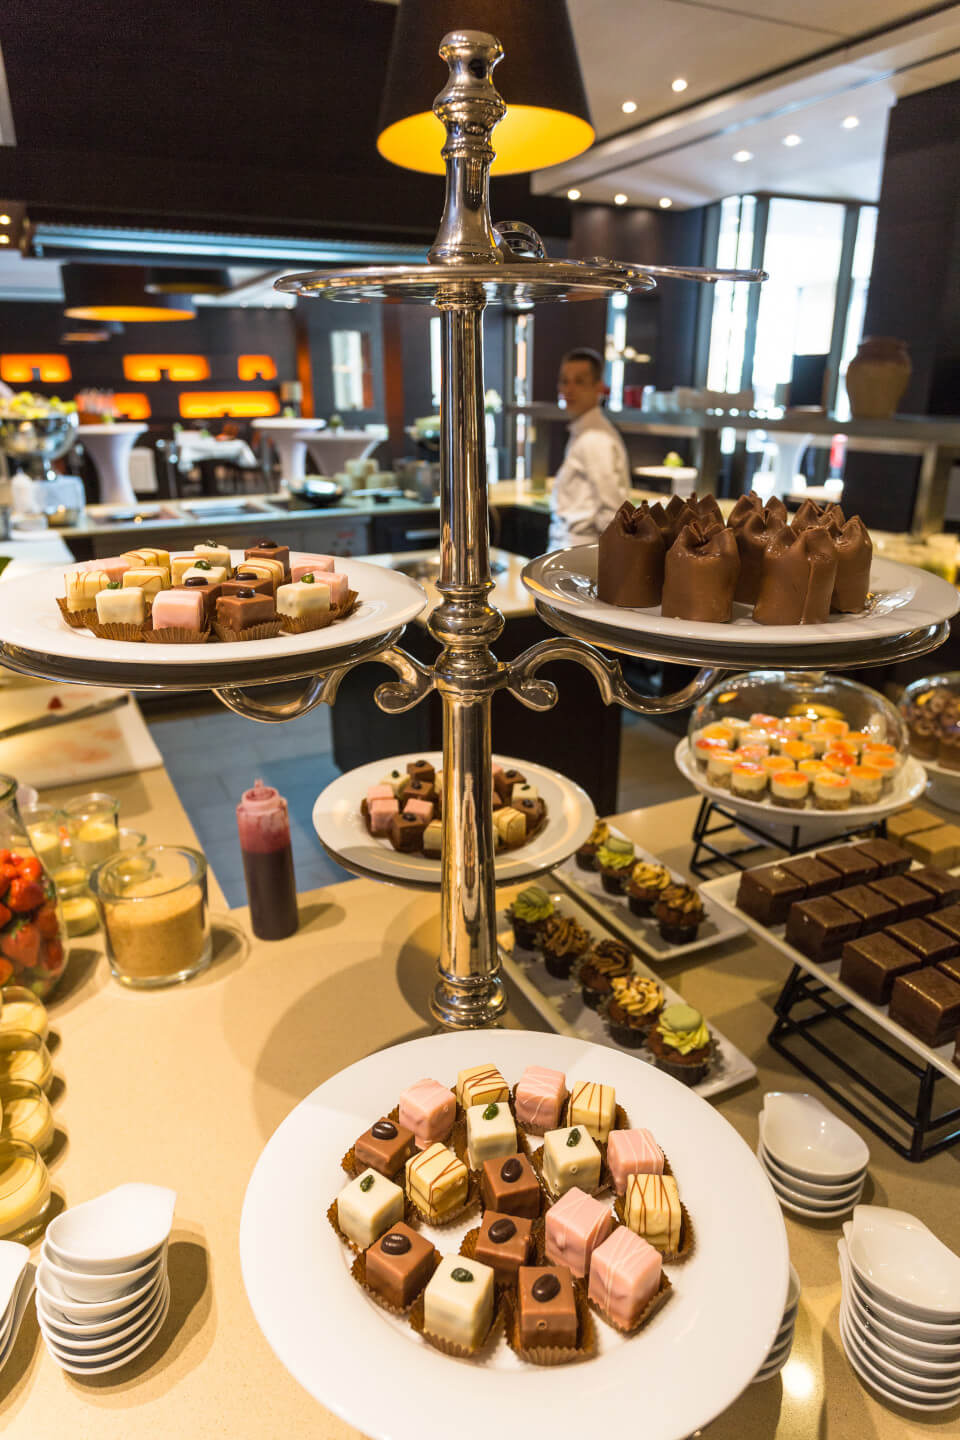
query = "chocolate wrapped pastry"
x=776 y=508
x=854 y=554
x=670 y=519
x=833 y=518
x=797 y=579
x=707 y=510
x=630 y=562
x=808 y=514
x=753 y=535
x=700 y=575
x=746 y=506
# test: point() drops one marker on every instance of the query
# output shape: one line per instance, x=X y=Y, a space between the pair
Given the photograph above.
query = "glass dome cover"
x=813 y=694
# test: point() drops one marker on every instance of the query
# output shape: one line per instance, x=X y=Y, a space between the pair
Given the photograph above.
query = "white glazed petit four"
x=368 y=1207
x=398 y=780
x=510 y=826
x=213 y=574
x=303 y=597
x=458 y=1301
x=570 y=1158
x=214 y=553
x=120 y=606
x=490 y=1132
x=432 y=837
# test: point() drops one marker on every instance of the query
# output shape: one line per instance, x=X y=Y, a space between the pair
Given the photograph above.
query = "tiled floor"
x=213 y=755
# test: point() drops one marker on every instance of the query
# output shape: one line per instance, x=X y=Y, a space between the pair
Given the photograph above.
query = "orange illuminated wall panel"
x=146 y=368
x=132 y=407
x=18 y=369
x=256 y=367
x=241 y=404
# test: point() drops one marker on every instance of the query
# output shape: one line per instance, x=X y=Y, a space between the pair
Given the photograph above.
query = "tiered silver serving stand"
x=472 y=264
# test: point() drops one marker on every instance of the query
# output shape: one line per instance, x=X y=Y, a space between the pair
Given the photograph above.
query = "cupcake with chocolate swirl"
x=680 y=914
x=586 y=856
x=633 y=1008
x=562 y=943
x=646 y=884
x=606 y=960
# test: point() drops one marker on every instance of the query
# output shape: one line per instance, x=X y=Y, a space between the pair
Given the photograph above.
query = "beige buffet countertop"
x=184 y=1086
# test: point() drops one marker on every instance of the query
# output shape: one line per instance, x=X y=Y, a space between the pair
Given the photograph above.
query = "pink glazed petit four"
x=304 y=564
x=116 y=566
x=379 y=792
x=423 y=809
x=175 y=608
x=575 y=1226
x=428 y=1109
x=380 y=813
x=632 y=1152
x=540 y=1097
x=624 y=1277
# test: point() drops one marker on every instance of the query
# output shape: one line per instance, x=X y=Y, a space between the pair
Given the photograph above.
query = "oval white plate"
x=828 y=1194
x=913 y=1351
x=903 y=599
x=339 y=824
x=897 y=1320
x=117 y=1231
x=698 y=1354
x=87 y=1329
x=908 y=1267
x=800 y=1132
x=899 y=1393
x=98 y=1346
x=908 y=785
x=934 y=1370
x=30 y=619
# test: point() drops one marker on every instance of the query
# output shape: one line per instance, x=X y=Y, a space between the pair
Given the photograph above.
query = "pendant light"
x=116 y=292
x=547 y=119
x=89 y=332
x=172 y=280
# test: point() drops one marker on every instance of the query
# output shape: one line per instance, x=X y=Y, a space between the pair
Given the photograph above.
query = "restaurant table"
x=109 y=448
x=184 y=1086
x=286 y=435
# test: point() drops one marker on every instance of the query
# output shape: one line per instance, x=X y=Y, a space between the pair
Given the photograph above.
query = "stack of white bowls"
x=102 y=1287
x=900 y=1309
x=815 y=1162
x=16 y=1287
x=781 y=1347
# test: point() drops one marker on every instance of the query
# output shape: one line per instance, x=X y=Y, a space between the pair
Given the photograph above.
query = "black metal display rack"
x=738 y=858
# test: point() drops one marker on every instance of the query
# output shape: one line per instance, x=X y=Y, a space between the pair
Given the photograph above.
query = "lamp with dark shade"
x=174 y=280
x=89 y=332
x=116 y=292
x=547 y=119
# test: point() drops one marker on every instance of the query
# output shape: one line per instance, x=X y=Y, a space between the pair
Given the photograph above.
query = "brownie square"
x=935 y=847
x=947 y=920
x=855 y=868
x=821 y=927
x=505 y=1242
x=510 y=1186
x=927 y=1003
x=816 y=877
x=892 y=859
x=909 y=899
x=767 y=894
x=399 y=1264
x=874 y=910
x=908 y=822
x=871 y=964
x=944 y=887
x=547 y=1307
x=931 y=944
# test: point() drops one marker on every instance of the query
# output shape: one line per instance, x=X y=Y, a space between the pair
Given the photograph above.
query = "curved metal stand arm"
x=394 y=696
x=537 y=694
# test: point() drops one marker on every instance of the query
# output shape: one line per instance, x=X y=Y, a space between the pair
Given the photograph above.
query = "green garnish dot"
x=308 y=578
x=573 y=1138
x=461 y=1274
x=113 y=585
x=366 y=1183
x=201 y=565
x=212 y=543
x=491 y=1112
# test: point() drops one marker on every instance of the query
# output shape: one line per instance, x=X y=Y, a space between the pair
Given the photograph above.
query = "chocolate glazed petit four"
x=386 y=1146
x=510 y=1187
x=700 y=575
x=797 y=578
x=547 y=1308
x=630 y=560
x=505 y=1242
x=398 y=1265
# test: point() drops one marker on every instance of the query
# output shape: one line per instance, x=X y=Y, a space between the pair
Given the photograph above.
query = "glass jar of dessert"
x=90 y=822
x=155 y=914
x=32 y=935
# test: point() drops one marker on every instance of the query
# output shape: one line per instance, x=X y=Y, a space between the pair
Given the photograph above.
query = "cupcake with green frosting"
x=681 y=1044
x=615 y=860
x=528 y=914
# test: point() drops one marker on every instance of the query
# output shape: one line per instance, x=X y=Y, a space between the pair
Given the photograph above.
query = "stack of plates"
x=815 y=1162
x=102 y=1287
x=900 y=1309
x=16 y=1287
x=781 y=1347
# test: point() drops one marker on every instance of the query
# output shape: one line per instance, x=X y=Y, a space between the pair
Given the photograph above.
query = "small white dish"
x=91 y=1289
x=16 y=1312
x=104 y=1346
x=81 y=1310
x=799 y=1132
x=13 y=1262
x=947 y=1371
x=826 y=1192
x=888 y=1397
x=803 y=1212
x=902 y=1261
x=803 y=1203
x=895 y=1319
x=104 y=1363
x=894 y=1388
x=907 y=1345
x=73 y=1330
x=116 y=1232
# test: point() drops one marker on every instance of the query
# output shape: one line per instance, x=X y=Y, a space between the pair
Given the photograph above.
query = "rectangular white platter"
x=723 y=891
x=560 y=1002
x=642 y=930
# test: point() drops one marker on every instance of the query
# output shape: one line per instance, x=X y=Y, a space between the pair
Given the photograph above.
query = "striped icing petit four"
x=573 y=1228
x=151 y=579
x=265 y=569
x=651 y=1208
x=539 y=1098
x=81 y=588
x=116 y=566
x=632 y=1152
x=480 y=1085
x=428 y=1109
x=437 y=1181
x=594 y=1107
x=624 y=1277
x=148 y=555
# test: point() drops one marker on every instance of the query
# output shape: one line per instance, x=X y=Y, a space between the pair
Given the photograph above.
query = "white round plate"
x=908 y=785
x=340 y=826
x=698 y=1354
x=902 y=599
x=30 y=621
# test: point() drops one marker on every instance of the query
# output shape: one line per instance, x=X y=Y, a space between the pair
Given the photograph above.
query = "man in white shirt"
x=594 y=479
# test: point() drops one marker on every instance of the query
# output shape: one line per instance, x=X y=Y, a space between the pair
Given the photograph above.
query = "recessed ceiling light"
x=620 y=199
x=679 y=84
x=573 y=194
x=4 y=219
x=851 y=122
x=742 y=156
x=628 y=107
x=665 y=202
x=792 y=140
x=4 y=239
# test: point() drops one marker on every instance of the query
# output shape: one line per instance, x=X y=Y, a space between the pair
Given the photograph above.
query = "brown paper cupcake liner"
x=349 y=1161
x=303 y=624
x=468 y=1249
x=359 y=1272
x=176 y=635
x=447 y=1347
x=688 y=1239
x=76 y=619
x=470 y=1204
x=411 y=1217
x=554 y=1354
x=664 y=1291
x=266 y=630
x=116 y=631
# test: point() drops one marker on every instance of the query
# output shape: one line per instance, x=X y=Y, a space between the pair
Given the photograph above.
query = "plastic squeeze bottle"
x=264 y=828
